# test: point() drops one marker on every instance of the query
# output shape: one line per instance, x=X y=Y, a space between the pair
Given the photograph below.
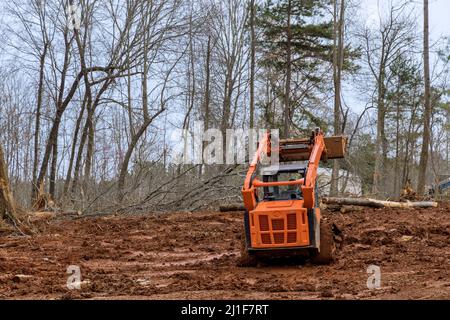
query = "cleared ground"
x=193 y=256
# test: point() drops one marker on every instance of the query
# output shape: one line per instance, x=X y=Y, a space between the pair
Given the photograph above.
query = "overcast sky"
x=440 y=17
x=439 y=14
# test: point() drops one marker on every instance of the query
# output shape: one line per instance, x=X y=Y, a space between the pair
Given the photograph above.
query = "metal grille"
x=279 y=230
x=265 y=238
x=277 y=224
x=278 y=238
x=292 y=237
x=264 y=223
x=292 y=221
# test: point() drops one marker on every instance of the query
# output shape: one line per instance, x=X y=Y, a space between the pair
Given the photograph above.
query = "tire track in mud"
x=193 y=256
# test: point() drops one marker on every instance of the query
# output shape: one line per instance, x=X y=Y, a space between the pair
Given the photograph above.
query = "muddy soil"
x=194 y=256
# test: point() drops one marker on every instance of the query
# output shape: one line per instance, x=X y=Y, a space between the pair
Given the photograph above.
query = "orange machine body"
x=287 y=223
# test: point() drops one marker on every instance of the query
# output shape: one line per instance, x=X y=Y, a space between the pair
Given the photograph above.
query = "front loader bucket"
x=335 y=147
x=300 y=149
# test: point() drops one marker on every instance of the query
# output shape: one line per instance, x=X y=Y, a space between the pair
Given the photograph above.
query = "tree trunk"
x=61 y=106
x=337 y=72
x=397 y=149
x=53 y=169
x=231 y=207
x=73 y=147
x=90 y=144
x=287 y=93
x=381 y=143
x=405 y=171
x=228 y=92
x=38 y=114
x=207 y=85
x=252 y=63
x=90 y=107
x=77 y=169
x=206 y=108
x=427 y=113
x=48 y=150
x=7 y=205
x=86 y=133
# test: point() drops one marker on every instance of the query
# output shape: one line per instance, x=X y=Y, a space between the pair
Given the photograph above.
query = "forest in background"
x=92 y=90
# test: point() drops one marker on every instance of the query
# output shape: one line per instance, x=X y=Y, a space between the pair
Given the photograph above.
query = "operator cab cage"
x=282 y=172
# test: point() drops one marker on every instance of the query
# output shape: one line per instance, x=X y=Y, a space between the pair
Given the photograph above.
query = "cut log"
x=341 y=208
x=353 y=202
x=345 y=209
x=232 y=207
x=41 y=215
x=366 y=202
x=350 y=204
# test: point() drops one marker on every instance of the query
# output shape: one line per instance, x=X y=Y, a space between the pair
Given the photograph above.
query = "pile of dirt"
x=194 y=255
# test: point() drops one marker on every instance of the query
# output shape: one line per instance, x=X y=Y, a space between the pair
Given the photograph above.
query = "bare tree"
x=394 y=36
x=427 y=114
x=160 y=27
x=228 y=28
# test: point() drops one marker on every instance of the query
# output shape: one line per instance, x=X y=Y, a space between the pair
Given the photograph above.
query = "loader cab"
x=282 y=172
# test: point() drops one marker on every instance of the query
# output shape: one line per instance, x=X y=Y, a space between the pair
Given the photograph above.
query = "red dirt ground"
x=193 y=256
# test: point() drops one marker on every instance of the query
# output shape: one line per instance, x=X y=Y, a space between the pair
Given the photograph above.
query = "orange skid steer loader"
x=282 y=215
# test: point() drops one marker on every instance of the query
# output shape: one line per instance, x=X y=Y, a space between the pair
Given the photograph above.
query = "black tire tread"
x=327 y=245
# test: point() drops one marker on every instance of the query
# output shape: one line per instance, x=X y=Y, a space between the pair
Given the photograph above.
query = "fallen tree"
x=349 y=203
x=374 y=203
x=231 y=207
